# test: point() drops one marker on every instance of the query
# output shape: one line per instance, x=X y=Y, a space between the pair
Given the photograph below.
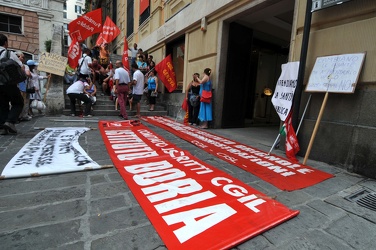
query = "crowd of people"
x=95 y=74
x=16 y=99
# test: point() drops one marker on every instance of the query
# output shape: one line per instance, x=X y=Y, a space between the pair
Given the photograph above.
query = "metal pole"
x=302 y=64
x=300 y=123
x=305 y=110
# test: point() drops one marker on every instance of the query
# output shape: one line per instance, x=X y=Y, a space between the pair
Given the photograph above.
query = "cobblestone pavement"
x=96 y=210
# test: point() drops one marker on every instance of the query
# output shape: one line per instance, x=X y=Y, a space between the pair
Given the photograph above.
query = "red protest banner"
x=191 y=204
x=278 y=171
x=166 y=73
x=109 y=33
x=86 y=25
x=74 y=53
x=125 y=55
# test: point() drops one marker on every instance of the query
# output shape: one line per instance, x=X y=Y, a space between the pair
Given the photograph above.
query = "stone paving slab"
x=96 y=210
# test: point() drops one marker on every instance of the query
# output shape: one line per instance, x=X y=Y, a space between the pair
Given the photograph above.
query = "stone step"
x=115 y=113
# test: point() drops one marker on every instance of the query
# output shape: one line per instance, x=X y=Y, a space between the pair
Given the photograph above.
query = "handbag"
x=194 y=100
x=29 y=89
x=38 y=104
x=206 y=96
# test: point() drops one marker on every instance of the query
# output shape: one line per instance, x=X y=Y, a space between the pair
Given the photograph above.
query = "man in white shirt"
x=122 y=81
x=76 y=91
x=84 y=64
x=9 y=93
x=138 y=88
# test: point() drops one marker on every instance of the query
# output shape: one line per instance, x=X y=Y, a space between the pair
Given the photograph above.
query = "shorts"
x=136 y=98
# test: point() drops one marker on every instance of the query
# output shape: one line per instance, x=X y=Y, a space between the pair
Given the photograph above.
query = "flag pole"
x=300 y=123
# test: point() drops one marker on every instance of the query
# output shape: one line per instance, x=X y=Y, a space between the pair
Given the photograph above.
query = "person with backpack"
x=85 y=64
x=9 y=93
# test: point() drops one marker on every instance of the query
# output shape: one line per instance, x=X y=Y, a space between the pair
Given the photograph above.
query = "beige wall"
x=346 y=28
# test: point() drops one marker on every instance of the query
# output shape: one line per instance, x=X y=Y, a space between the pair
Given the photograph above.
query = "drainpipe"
x=302 y=64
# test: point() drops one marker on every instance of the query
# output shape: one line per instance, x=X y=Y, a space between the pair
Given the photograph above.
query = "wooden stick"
x=48 y=87
x=316 y=127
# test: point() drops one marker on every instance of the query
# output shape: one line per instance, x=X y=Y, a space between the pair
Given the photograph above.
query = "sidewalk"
x=96 y=210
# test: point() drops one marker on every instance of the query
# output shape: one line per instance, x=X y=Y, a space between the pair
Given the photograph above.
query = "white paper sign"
x=337 y=74
x=285 y=89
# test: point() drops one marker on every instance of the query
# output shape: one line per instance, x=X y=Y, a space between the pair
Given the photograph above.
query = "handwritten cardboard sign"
x=336 y=74
x=52 y=63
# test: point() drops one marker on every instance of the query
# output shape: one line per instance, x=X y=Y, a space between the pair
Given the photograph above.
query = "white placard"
x=336 y=74
x=285 y=89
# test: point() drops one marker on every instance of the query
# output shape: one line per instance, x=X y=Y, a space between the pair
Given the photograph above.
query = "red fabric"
x=166 y=73
x=144 y=4
x=191 y=204
x=125 y=55
x=109 y=33
x=291 y=144
x=278 y=171
x=74 y=53
x=86 y=25
x=184 y=105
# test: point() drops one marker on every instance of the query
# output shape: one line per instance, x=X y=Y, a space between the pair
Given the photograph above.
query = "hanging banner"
x=276 y=170
x=109 y=33
x=51 y=151
x=285 y=89
x=166 y=73
x=191 y=204
x=144 y=4
x=86 y=25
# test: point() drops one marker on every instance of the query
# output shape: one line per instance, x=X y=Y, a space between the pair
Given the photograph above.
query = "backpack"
x=10 y=71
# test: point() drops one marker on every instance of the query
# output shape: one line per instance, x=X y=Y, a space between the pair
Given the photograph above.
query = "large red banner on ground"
x=191 y=204
x=280 y=172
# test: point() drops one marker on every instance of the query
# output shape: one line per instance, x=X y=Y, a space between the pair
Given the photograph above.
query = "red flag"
x=125 y=55
x=291 y=145
x=166 y=73
x=86 y=25
x=109 y=33
x=74 y=53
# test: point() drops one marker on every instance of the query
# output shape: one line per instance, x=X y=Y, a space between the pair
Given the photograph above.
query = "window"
x=11 y=24
x=64 y=14
x=130 y=19
x=77 y=9
x=65 y=40
x=145 y=15
x=65 y=6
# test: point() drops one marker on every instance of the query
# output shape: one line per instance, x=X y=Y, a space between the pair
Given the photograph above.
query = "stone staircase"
x=106 y=107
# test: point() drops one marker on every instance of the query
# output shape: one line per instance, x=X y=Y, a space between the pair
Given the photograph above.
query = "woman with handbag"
x=152 y=88
x=205 y=115
x=192 y=96
x=34 y=81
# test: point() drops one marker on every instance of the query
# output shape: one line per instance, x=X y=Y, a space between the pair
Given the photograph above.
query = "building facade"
x=245 y=42
x=30 y=25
